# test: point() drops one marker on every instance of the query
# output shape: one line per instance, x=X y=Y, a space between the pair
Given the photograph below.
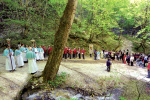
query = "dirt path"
x=83 y=73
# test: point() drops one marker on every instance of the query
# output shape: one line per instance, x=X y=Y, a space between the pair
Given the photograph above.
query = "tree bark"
x=61 y=36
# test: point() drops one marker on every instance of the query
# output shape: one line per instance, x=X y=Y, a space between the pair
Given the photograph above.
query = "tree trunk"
x=61 y=36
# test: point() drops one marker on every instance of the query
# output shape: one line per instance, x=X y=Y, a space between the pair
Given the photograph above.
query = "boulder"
x=38 y=74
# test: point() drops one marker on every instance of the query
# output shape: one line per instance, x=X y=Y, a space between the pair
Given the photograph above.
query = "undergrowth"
x=58 y=80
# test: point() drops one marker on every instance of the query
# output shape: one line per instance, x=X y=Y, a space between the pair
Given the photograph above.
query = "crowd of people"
x=28 y=54
x=141 y=60
x=72 y=53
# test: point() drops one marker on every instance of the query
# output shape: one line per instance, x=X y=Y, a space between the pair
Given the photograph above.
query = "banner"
x=91 y=48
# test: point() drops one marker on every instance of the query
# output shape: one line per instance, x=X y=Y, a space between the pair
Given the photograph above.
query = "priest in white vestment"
x=31 y=61
x=98 y=55
x=10 y=61
x=101 y=54
x=35 y=50
x=23 y=50
x=41 y=53
x=19 y=58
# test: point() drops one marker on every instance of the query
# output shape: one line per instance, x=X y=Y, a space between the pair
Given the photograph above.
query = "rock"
x=25 y=95
x=38 y=74
x=40 y=80
x=35 y=82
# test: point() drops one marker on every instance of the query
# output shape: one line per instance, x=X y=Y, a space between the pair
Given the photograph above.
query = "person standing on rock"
x=19 y=58
x=10 y=61
x=83 y=53
x=23 y=50
x=31 y=61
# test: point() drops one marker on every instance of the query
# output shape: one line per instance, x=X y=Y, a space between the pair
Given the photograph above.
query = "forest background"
x=103 y=23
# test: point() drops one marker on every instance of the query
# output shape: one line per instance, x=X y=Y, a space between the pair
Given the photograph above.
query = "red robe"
x=124 y=59
x=65 y=51
x=74 y=51
x=79 y=51
x=44 y=48
x=83 y=51
x=70 y=51
x=49 y=49
x=148 y=67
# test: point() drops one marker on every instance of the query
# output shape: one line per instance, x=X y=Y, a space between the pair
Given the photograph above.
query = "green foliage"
x=41 y=20
x=58 y=80
x=122 y=98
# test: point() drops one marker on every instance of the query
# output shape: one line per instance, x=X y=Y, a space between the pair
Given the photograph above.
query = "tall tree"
x=61 y=36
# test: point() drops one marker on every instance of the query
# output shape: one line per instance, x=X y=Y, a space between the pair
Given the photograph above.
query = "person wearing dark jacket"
x=95 y=55
x=108 y=64
x=128 y=59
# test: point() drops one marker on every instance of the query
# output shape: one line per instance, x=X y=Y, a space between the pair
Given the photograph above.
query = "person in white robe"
x=31 y=61
x=10 y=61
x=98 y=55
x=102 y=54
x=41 y=53
x=19 y=45
x=35 y=50
x=26 y=48
x=23 y=50
x=19 y=58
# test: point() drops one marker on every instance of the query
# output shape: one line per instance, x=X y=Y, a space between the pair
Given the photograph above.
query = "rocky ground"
x=83 y=73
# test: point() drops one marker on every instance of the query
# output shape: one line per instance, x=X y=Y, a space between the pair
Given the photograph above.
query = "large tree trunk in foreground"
x=61 y=36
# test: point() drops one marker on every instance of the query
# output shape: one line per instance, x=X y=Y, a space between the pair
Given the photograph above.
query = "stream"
x=68 y=93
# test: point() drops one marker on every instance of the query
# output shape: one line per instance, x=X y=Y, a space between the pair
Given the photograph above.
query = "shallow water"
x=58 y=94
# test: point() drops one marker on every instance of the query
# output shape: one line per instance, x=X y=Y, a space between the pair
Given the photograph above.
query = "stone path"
x=11 y=82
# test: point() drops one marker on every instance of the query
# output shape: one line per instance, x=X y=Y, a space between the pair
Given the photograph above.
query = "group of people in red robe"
x=68 y=52
x=48 y=50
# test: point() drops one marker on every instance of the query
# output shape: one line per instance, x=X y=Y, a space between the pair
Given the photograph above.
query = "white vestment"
x=41 y=56
x=36 y=53
x=101 y=54
x=32 y=65
x=98 y=56
x=24 y=56
x=8 y=62
x=19 y=60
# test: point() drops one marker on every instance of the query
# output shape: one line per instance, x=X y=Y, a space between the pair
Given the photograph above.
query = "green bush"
x=58 y=80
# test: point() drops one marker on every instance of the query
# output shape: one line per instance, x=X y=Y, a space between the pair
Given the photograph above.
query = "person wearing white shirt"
x=131 y=60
